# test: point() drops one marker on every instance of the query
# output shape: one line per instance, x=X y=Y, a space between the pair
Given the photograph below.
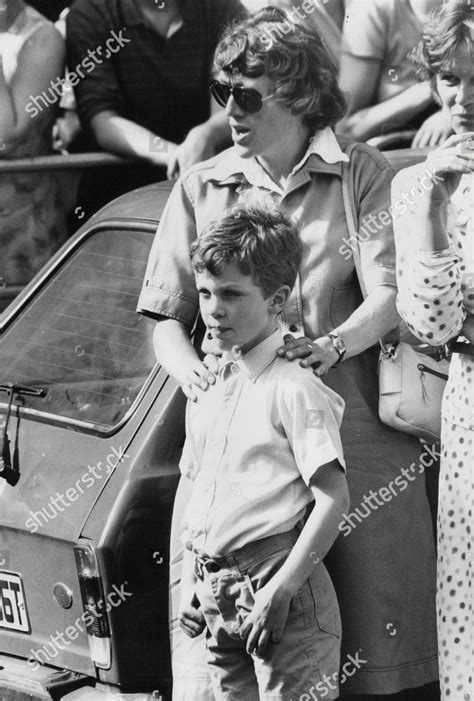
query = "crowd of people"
x=259 y=111
x=131 y=78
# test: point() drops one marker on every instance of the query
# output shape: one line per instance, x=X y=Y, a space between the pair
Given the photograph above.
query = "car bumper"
x=18 y=682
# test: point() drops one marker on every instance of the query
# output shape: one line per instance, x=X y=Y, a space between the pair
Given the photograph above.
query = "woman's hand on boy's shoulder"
x=319 y=354
x=201 y=376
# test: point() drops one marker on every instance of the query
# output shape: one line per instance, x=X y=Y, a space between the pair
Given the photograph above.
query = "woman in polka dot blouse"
x=435 y=270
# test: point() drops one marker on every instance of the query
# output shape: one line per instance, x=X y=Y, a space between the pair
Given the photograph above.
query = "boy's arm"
x=268 y=617
x=190 y=616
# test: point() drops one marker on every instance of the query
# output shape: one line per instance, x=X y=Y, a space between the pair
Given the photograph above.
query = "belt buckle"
x=212 y=566
x=208 y=564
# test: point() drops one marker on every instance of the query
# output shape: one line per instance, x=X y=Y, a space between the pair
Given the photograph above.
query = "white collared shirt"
x=254 y=440
x=323 y=144
x=326 y=291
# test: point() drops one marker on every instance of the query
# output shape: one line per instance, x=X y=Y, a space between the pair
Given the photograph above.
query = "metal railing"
x=399 y=159
x=70 y=161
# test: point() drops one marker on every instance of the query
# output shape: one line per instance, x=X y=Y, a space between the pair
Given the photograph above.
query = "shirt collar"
x=323 y=154
x=258 y=358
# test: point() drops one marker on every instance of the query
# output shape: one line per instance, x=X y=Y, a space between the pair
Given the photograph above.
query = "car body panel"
x=108 y=482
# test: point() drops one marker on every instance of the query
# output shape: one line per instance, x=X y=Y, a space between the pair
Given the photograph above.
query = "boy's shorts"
x=304 y=665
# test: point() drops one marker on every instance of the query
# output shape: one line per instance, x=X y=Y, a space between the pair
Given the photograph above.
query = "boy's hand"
x=267 y=619
x=191 y=618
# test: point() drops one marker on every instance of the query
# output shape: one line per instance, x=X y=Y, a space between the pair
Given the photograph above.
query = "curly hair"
x=263 y=243
x=446 y=30
x=290 y=53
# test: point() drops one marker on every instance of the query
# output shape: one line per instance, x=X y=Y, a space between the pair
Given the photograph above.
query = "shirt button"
x=293 y=328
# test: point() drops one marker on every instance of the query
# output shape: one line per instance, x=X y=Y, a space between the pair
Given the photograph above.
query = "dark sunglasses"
x=248 y=99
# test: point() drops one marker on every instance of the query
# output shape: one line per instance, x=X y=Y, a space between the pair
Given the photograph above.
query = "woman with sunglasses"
x=280 y=92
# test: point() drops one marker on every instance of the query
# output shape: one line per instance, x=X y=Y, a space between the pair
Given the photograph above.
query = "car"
x=91 y=432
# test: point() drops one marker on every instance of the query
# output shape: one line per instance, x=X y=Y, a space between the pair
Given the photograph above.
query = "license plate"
x=13 y=611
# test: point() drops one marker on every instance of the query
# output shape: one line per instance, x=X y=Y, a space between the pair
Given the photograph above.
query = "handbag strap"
x=350 y=211
x=352 y=226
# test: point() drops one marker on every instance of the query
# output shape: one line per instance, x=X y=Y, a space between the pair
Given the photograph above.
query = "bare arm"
x=268 y=617
x=202 y=142
x=365 y=117
x=176 y=353
x=191 y=618
x=126 y=138
x=376 y=316
x=40 y=65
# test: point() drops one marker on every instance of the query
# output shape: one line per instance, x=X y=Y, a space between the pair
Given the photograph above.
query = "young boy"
x=262 y=445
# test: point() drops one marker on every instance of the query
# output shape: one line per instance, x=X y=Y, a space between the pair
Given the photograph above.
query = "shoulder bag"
x=411 y=380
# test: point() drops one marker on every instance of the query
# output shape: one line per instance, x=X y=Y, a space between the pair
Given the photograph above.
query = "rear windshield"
x=81 y=339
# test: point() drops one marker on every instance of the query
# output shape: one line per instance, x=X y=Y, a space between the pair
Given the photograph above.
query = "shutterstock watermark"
x=60 y=640
x=386 y=216
x=384 y=495
x=329 y=682
x=297 y=13
x=61 y=501
x=57 y=87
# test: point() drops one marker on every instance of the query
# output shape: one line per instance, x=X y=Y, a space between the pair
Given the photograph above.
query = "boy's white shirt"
x=254 y=440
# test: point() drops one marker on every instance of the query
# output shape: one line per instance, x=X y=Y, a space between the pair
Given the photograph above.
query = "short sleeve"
x=371 y=178
x=169 y=288
x=365 y=29
x=98 y=89
x=311 y=415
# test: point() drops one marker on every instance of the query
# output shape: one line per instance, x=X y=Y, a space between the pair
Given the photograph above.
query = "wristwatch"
x=339 y=345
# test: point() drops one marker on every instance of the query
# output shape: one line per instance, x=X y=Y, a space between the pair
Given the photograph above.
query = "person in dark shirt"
x=142 y=88
x=50 y=8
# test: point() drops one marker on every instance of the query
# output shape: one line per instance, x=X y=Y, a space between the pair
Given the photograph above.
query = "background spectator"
x=385 y=96
x=145 y=91
x=67 y=131
x=51 y=9
x=327 y=20
x=32 y=221
x=435 y=258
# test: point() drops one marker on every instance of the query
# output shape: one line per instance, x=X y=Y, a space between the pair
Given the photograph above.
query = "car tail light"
x=93 y=601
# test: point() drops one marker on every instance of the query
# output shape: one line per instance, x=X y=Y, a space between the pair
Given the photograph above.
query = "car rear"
x=91 y=432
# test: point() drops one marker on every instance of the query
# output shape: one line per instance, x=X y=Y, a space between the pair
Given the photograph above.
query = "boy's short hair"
x=263 y=243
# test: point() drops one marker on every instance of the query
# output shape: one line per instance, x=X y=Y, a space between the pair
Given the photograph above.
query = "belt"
x=208 y=564
x=244 y=557
x=463 y=348
x=459 y=347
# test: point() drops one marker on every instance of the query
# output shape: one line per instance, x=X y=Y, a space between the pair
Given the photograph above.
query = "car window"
x=80 y=338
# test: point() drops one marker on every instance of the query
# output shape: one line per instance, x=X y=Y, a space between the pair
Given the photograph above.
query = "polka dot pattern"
x=455 y=564
x=435 y=291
